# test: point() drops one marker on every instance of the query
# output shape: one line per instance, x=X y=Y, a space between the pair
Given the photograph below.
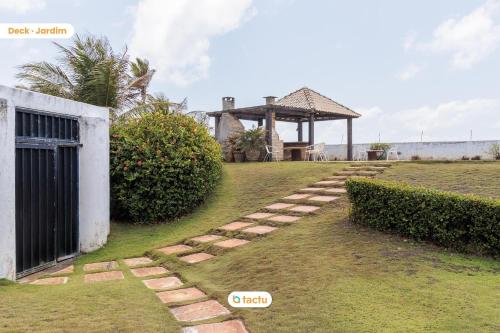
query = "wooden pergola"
x=303 y=105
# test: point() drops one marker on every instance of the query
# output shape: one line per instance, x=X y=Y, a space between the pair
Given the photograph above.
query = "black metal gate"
x=46 y=189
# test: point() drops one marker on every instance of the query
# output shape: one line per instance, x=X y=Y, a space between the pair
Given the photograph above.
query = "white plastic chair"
x=392 y=150
x=270 y=154
x=362 y=155
x=317 y=151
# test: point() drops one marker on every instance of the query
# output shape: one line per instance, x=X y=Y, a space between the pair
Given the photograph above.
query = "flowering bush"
x=162 y=166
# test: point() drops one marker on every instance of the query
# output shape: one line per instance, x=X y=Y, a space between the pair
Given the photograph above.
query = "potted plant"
x=231 y=150
x=378 y=150
x=252 y=142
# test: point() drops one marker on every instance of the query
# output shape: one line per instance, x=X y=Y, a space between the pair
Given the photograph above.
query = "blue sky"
x=407 y=67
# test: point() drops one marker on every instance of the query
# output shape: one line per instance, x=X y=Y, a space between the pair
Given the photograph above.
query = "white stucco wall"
x=445 y=150
x=93 y=169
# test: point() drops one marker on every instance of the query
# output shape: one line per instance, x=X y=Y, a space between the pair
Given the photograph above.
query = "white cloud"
x=410 y=72
x=175 y=35
x=468 y=39
x=21 y=6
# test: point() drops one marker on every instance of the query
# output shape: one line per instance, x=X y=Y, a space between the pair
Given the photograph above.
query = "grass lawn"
x=325 y=274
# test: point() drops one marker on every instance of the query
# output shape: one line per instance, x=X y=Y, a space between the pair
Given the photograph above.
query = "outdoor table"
x=375 y=154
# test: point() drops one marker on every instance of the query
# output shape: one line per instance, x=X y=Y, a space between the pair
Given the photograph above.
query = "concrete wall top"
x=33 y=100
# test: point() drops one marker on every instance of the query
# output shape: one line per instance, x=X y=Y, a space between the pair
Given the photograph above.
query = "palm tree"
x=141 y=77
x=88 y=71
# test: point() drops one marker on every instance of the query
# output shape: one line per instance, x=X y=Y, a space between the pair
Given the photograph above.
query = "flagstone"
x=336 y=190
x=199 y=311
x=100 y=266
x=235 y=226
x=259 y=216
x=133 y=262
x=53 y=281
x=206 y=238
x=175 y=249
x=312 y=189
x=304 y=209
x=323 y=198
x=170 y=282
x=330 y=182
x=337 y=177
x=196 y=257
x=148 y=271
x=297 y=196
x=284 y=218
x=104 y=276
x=180 y=295
x=230 y=326
x=279 y=205
x=232 y=242
x=260 y=229
x=66 y=270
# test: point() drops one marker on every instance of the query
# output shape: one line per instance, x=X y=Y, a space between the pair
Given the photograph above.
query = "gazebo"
x=303 y=105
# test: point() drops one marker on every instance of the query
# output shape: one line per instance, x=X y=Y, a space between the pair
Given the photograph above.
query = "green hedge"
x=162 y=166
x=463 y=222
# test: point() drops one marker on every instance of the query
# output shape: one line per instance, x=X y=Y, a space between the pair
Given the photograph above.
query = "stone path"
x=191 y=305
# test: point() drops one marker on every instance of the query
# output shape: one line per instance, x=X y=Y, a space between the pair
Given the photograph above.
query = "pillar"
x=299 y=130
x=217 y=127
x=349 y=139
x=311 y=129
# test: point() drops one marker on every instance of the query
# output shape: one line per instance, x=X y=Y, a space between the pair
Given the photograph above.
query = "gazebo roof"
x=308 y=99
x=295 y=106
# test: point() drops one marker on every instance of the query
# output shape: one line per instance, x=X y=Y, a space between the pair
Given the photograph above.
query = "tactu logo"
x=249 y=299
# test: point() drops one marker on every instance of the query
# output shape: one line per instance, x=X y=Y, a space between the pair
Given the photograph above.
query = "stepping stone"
x=199 y=311
x=312 y=189
x=103 y=276
x=100 y=266
x=206 y=238
x=323 y=198
x=259 y=216
x=67 y=270
x=230 y=326
x=304 y=209
x=279 y=206
x=284 y=218
x=170 y=282
x=336 y=190
x=235 y=226
x=148 y=271
x=175 y=249
x=180 y=295
x=53 y=281
x=133 y=262
x=230 y=243
x=196 y=257
x=337 y=177
x=260 y=229
x=297 y=196
x=330 y=182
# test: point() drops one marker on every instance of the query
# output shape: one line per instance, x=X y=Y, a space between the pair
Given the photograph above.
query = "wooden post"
x=349 y=139
x=217 y=127
x=311 y=129
x=299 y=130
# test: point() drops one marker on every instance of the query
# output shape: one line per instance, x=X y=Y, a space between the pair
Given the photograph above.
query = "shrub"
x=380 y=146
x=495 y=151
x=162 y=166
x=475 y=158
x=415 y=158
x=462 y=222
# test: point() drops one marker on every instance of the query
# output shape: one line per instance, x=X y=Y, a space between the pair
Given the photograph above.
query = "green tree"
x=87 y=71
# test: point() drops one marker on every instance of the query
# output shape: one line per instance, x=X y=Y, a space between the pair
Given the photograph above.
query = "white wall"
x=447 y=150
x=93 y=167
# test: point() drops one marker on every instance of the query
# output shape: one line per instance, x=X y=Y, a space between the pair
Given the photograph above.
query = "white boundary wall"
x=445 y=150
x=93 y=167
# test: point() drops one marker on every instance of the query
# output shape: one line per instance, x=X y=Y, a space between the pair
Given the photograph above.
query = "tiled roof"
x=306 y=98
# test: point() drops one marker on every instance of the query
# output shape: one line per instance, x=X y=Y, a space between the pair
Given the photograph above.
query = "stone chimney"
x=227 y=103
x=270 y=100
